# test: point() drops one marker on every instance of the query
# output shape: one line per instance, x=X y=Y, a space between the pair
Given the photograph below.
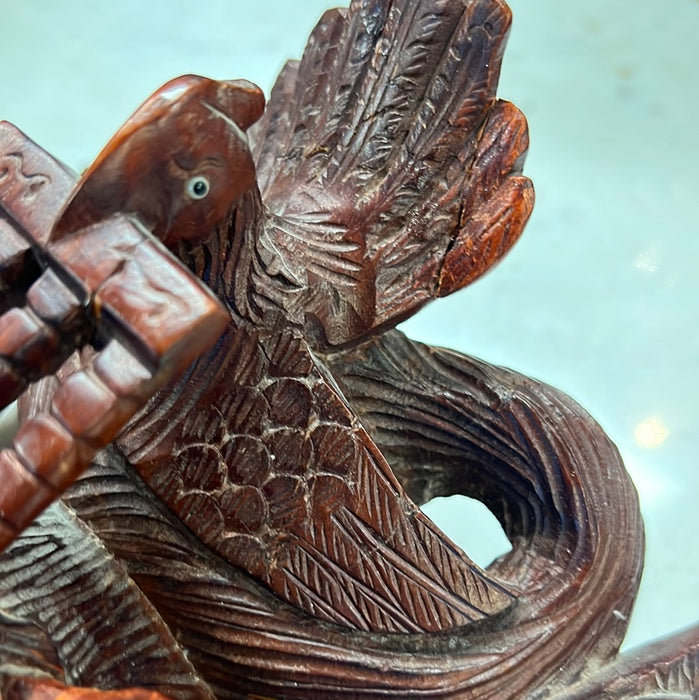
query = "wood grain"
x=108 y=281
x=254 y=529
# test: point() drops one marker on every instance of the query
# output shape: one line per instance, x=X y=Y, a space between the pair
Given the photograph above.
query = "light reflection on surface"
x=647 y=261
x=8 y=425
x=651 y=433
x=653 y=486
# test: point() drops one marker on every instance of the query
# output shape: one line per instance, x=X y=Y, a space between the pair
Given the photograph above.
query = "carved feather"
x=275 y=474
x=379 y=135
x=59 y=576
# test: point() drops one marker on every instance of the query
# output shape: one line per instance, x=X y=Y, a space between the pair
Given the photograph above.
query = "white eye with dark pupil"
x=198 y=187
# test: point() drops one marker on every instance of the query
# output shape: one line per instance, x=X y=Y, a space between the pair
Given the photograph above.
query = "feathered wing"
x=61 y=590
x=389 y=171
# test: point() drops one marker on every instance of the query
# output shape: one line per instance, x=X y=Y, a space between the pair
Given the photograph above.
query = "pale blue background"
x=600 y=296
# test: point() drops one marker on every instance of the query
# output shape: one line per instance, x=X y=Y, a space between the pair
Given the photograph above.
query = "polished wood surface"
x=254 y=530
x=106 y=285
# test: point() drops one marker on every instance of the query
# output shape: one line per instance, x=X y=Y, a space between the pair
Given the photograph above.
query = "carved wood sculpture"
x=254 y=530
x=105 y=284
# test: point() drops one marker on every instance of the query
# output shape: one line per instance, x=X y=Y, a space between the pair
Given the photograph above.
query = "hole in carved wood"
x=470 y=525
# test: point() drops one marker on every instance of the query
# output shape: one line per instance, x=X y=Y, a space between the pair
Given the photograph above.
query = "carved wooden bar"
x=254 y=529
x=101 y=285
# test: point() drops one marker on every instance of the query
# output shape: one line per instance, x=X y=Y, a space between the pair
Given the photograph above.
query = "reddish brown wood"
x=206 y=120
x=257 y=522
x=108 y=281
x=42 y=689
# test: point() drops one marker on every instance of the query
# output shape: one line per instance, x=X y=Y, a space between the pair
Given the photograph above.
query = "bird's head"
x=179 y=163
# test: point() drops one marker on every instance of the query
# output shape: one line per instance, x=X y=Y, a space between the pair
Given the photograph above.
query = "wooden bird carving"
x=261 y=512
x=178 y=163
x=260 y=454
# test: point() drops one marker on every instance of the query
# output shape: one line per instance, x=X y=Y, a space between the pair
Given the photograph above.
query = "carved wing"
x=279 y=479
x=389 y=171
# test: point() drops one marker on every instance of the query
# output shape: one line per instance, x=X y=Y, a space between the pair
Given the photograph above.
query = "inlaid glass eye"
x=198 y=187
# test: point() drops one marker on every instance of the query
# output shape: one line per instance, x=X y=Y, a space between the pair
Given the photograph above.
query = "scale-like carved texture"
x=258 y=501
x=273 y=472
x=483 y=435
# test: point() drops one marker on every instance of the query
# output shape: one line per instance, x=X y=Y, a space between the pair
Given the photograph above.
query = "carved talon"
x=37 y=339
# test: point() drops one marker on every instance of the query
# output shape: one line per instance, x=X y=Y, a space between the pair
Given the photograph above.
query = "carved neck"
x=234 y=262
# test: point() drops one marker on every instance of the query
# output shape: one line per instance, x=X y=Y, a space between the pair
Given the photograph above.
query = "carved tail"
x=534 y=458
